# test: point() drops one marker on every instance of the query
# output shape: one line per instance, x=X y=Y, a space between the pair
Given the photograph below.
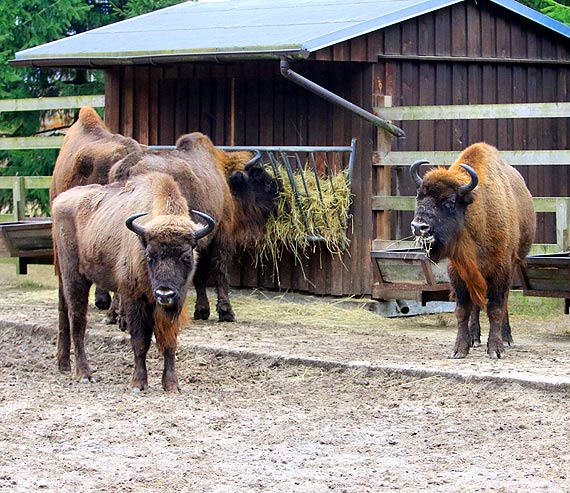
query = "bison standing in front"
x=479 y=214
x=150 y=270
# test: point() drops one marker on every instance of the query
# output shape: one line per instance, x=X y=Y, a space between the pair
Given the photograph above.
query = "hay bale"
x=313 y=213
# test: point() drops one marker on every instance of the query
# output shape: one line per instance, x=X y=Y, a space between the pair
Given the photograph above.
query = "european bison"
x=479 y=214
x=240 y=195
x=150 y=271
x=88 y=151
x=231 y=186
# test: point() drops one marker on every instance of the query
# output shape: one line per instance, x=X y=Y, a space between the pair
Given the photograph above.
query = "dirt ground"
x=264 y=424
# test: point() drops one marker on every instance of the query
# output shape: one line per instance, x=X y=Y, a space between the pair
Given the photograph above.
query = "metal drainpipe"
x=336 y=99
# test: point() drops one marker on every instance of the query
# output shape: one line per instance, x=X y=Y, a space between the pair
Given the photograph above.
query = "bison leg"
x=220 y=263
x=463 y=309
x=102 y=298
x=475 y=326
x=202 y=307
x=506 y=333
x=138 y=320
x=112 y=316
x=169 y=378
x=495 y=312
x=63 y=334
x=77 y=296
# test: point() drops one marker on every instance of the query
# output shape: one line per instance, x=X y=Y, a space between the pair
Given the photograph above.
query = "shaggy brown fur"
x=484 y=233
x=89 y=150
x=96 y=247
x=239 y=198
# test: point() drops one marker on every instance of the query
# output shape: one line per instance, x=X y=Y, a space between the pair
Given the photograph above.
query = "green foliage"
x=557 y=9
x=28 y=23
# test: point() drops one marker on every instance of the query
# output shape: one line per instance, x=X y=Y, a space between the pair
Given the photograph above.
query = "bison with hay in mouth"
x=150 y=270
x=479 y=214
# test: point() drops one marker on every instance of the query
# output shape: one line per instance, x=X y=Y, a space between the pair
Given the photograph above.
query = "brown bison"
x=239 y=195
x=479 y=214
x=232 y=187
x=150 y=270
x=88 y=151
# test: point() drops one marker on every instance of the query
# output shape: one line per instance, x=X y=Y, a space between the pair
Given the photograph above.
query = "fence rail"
x=386 y=159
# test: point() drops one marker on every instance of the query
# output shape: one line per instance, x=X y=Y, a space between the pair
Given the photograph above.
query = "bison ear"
x=187 y=141
x=256 y=173
x=467 y=198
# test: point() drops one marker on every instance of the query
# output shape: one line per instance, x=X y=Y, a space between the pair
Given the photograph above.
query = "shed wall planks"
x=464 y=54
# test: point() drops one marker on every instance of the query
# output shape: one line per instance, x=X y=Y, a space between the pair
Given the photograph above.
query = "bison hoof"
x=103 y=301
x=201 y=314
x=64 y=366
x=88 y=379
x=109 y=320
x=495 y=349
x=137 y=387
x=170 y=385
x=458 y=354
x=508 y=339
x=226 y=316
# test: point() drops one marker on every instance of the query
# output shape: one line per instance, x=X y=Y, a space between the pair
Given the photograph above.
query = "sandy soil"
x=261 y=425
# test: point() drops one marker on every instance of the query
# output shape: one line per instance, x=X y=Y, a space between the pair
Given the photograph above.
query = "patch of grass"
x=534 y=306
x=30 y=284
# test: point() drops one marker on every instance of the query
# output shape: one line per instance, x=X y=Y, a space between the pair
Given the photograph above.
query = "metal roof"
x=210 y=29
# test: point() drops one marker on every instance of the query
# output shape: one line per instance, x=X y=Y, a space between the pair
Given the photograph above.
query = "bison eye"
x=188 y=257
x=449 y=204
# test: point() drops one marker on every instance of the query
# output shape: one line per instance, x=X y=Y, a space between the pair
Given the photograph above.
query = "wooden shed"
x=214 y=66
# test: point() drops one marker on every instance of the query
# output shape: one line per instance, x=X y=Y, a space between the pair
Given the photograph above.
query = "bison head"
x=442 y=200
x=255 y=187
x=170 y=252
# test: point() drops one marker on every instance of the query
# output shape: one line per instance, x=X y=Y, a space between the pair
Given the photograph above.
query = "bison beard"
x=478 y=214
x=150 y=270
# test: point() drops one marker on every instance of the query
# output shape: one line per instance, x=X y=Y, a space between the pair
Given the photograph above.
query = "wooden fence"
x=19 y=184
x=386 y=159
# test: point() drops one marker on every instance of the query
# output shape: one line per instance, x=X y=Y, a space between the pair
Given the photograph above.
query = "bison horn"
x=414 y=171
x=211 y=224
x=463 y=189
x=129 y=223
x=253 y=160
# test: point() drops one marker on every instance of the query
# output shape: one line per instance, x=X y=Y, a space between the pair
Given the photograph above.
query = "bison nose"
x=420 y=229
x=164 y=297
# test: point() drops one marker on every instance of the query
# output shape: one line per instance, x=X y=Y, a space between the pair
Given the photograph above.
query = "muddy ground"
x=264 y=423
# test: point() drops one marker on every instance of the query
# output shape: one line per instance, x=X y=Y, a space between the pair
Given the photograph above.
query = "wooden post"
x=383 y=223
x=563 y=223
x=19 y=198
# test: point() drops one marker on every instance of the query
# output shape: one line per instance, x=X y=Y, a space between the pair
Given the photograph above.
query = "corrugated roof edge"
x=304 y=51
x=534 y=15
x=377 y=23
x=102 y=62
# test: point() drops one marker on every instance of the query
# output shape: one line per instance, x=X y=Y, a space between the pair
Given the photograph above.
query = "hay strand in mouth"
x=319 y=209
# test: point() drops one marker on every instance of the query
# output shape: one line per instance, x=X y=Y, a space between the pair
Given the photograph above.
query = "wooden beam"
x=57 y=103
x=475 y=111
x=12 y=143
x=7 y=182
x=558 y=205
x=477 y=59
x=515 y=158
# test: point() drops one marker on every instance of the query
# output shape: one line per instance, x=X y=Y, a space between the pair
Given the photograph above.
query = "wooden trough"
x=407 y=274
x=547 y=275
x=29 y=240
